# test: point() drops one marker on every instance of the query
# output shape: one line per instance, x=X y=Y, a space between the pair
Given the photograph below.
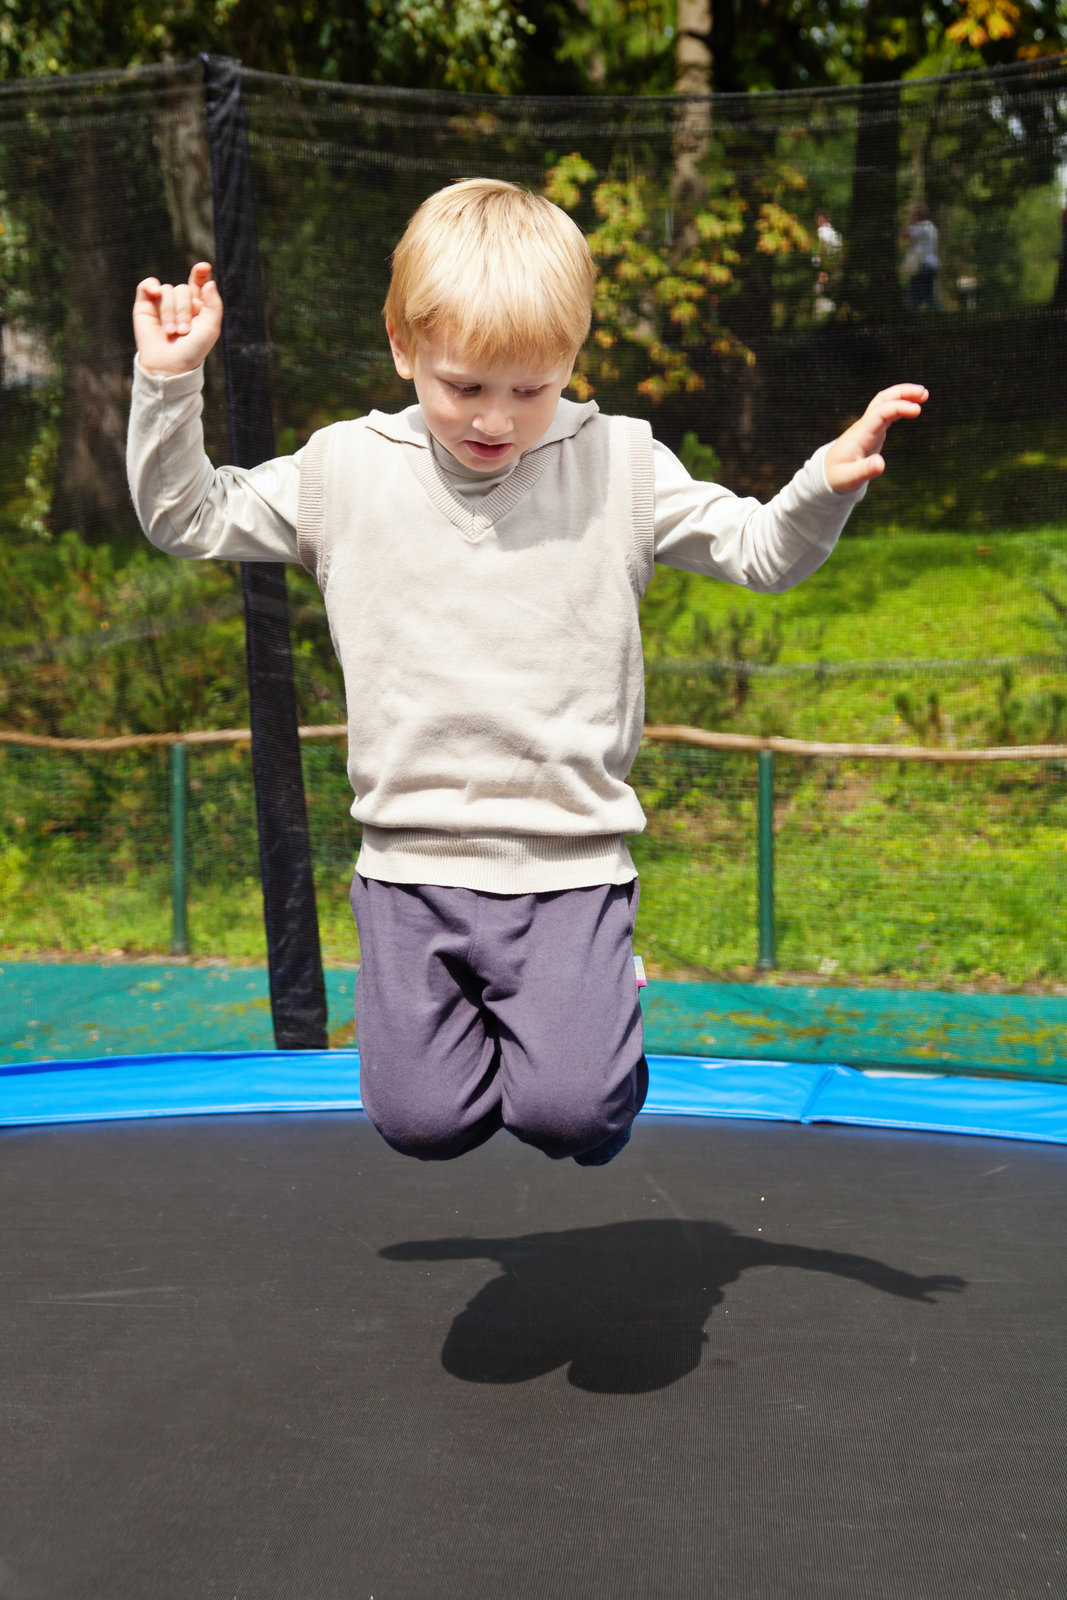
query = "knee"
x=572 y=1109
x=565 y=1124
x=424 y=1131
x=424 y=1137
x=423 y=1128
x=425 y=1144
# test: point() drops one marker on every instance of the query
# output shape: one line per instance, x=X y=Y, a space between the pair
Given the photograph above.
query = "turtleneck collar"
x=455 y=469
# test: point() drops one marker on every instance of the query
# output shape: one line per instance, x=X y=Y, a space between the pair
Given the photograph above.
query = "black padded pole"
x=297 y=989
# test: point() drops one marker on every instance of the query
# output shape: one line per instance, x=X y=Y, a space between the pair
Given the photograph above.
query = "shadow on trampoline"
x=623 y=1306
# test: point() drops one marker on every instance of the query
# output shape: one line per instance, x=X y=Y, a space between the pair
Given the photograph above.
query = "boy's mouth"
x=486 y=452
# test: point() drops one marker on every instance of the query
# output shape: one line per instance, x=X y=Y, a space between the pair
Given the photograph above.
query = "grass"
x=130 y=918
x=855 y=904
x=893 y=597
x=884 y=874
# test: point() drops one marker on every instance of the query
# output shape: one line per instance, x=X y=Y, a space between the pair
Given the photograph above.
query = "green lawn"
x=860 y=903
x=132 y=917
x=892 y=598
x=884 y=873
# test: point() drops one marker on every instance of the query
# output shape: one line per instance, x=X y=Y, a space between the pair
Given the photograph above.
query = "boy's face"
x=484 y=416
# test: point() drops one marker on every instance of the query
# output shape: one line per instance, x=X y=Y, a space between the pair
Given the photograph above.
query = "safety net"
x=767 y=263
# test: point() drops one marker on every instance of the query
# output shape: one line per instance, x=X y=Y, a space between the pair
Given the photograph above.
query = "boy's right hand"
x=175 y=325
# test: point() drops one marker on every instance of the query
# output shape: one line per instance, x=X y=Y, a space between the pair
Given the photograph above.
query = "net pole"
x=179 y=937
x=765 y=873
x=297 y=987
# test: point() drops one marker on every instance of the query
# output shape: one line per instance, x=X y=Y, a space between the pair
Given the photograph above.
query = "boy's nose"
x=492 y=422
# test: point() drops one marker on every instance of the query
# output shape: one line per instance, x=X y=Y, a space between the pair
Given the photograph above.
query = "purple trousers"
x=476 y=1012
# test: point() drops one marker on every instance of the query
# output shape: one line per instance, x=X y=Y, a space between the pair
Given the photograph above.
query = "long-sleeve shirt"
x=486 y=624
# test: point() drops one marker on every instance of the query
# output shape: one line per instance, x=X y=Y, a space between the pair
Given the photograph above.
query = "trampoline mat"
x=264 y=1358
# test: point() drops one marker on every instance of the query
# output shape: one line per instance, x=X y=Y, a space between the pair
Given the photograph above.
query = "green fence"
x=843 y=862
x=132 y=847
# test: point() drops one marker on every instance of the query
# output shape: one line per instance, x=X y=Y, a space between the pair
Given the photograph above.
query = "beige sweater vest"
x=491 y=651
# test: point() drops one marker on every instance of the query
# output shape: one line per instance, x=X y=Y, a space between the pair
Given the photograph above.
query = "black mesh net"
x=768 y=262
x=758 y=265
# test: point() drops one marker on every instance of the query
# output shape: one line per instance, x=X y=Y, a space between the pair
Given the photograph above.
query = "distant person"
x=481 y=556
x=827 y=263
x=921 y=260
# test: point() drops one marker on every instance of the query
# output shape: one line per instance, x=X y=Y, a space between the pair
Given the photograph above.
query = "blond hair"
x=502 y=271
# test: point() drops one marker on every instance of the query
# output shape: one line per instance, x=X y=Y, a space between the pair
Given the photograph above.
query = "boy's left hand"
x=855 y=458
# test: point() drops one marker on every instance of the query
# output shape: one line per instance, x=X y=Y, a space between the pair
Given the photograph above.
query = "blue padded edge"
x=213 y=1083
x=204 y=1084
x=996 y=1108
x=706 y=1086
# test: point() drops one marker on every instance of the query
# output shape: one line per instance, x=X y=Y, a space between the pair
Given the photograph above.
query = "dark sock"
x=603 y=1153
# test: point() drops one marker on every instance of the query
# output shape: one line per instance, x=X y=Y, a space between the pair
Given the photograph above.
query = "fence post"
x=765 y=837
x=179 y=922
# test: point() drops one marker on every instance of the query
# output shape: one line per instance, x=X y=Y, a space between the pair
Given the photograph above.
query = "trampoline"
x=259 y=1354
x=802 y=1341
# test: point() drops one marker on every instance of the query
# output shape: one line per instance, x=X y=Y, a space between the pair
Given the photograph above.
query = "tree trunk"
x=871 y=289
x=185 y=163
x=692 y=129
x=91 y=494
x=892 y=44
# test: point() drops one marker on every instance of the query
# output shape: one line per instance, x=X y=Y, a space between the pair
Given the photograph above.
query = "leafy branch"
x=662 y=285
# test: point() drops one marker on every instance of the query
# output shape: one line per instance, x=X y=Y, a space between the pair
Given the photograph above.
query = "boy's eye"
x=466 y=388
x=529 y=394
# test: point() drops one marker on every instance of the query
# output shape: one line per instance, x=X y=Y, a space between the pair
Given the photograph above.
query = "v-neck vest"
x=490 y=649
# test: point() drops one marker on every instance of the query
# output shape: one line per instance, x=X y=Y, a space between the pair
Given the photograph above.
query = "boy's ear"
x=400 y=356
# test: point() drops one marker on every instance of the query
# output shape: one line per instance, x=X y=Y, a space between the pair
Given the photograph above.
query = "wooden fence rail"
x=665 y=734
x=764 y=749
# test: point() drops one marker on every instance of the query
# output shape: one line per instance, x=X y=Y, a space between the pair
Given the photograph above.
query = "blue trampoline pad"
x=210 y=1083
x=995 y=1107
x=213 y=1083
x=785 y=1092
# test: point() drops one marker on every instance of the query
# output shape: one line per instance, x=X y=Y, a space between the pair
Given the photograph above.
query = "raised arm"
x=702 y=527
x=185 y=505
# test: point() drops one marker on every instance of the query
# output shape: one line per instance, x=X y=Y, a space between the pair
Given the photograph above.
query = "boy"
x=481 y=556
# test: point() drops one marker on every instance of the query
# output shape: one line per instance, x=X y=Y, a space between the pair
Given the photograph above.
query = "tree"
x=480 y=46
x=892 y=43
x=692 y=270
